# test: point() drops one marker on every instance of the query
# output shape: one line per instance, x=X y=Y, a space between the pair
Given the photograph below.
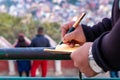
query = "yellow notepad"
x=63 y=49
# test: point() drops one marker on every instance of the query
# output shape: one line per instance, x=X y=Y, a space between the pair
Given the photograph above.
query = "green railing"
x=30 y=53
x=36 y=78
x=54 y=78
x=38 y=53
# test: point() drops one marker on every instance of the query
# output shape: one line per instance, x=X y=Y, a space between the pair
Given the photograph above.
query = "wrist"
x=94 y=66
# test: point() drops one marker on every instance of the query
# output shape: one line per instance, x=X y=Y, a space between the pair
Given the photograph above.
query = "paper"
x=62 y=49
x=66 y=48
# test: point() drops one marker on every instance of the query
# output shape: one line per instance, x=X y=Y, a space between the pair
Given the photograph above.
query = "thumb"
x=68 y=37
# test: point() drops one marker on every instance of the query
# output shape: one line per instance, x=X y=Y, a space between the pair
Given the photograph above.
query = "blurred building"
x=58 y=10
x=6 y=66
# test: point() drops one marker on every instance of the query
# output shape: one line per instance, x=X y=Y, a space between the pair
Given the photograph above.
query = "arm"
x=84 y=33
x=80 y=56
x=81 y=60
x=91 y=33
x=106 y=49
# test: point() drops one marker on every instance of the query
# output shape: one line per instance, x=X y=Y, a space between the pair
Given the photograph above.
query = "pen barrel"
x=61 y=42
x=71 y=29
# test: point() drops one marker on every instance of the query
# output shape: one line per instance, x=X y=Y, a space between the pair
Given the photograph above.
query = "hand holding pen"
x=76 y=34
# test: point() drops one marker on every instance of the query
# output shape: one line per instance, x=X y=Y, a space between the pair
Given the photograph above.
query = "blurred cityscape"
x=58 y=10
x=61 y=11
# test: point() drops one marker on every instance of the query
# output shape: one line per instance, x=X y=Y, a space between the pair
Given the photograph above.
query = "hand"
x=81 y=60
x=75 y=37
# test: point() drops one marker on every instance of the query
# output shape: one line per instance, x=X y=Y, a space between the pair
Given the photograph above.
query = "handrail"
x=31 y=53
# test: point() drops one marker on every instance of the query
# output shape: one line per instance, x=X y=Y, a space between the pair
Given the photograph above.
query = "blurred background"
x=23 y=16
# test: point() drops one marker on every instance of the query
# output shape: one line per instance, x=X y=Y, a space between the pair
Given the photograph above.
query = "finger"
x=73 y=58
x=65 y=28
x=81 y=43
x=75 y=64
x=72 y=44
x=68 y=37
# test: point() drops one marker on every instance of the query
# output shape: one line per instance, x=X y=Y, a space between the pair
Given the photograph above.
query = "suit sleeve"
x=95 y=31
x=106 y=49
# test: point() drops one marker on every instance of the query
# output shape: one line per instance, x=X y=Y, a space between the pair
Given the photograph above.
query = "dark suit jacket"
x=106 y=38
x=40 y=41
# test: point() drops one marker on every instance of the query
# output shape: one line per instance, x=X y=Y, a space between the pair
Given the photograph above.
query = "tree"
x=11 y=26
x=53 y=30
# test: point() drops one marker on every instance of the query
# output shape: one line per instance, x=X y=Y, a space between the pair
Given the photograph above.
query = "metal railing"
x=30 y=53
x=38 y=53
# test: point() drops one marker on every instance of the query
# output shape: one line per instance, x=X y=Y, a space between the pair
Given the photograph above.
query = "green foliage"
x=11 y=26
x=53 y=30
x=8 y=26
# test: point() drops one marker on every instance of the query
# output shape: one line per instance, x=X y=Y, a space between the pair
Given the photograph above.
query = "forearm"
x=94 y=32
x=106 y=49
